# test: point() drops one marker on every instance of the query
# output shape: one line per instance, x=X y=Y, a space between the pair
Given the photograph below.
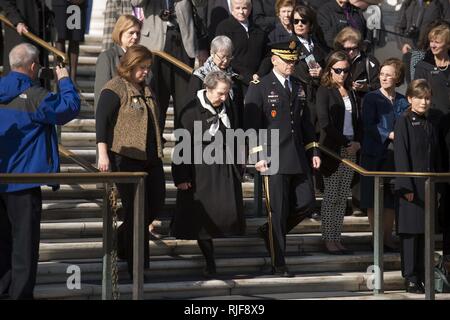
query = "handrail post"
x=107 y=247
x=378 y=235
x=138 y=240
x=257 y=190
x=429 y=238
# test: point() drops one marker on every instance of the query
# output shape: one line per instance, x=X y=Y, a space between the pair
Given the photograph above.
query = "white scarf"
x=222 y=114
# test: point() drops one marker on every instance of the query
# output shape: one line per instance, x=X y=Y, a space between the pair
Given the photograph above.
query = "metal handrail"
x=431 y=179
x=174 y=61
x=63 y=151
x=36 y=39
x=137 y=178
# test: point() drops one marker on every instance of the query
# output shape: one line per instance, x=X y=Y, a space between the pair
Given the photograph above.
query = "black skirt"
x=213 y=208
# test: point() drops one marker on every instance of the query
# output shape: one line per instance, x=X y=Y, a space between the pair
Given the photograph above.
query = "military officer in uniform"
x=278 y=102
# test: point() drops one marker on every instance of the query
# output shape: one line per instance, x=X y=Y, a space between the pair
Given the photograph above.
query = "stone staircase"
x=71 y=234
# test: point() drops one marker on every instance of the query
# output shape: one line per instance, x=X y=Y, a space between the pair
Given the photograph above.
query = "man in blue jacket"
x=28 y=144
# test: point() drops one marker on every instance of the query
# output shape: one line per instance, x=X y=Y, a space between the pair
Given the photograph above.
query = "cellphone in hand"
x=361 y=81
x=311 y=62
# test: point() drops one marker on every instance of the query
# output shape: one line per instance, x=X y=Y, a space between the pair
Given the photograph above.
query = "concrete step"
x=72 y=192
x=184 y=266
x=90 y=48
x=57 y=223
x=81 y=191
x=399 y=294
x=313 y=286
x=62 y=210
x=56 y=246
x=70 y=210
x=351 y=224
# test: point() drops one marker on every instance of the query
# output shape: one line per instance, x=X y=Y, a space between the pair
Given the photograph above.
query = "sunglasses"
x=303 y=21
x=350 y=49
x=340 y=70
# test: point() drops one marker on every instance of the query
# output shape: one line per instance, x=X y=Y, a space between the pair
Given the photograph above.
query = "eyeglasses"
x=340 y=70
x=348 y=49
x=225 y=58
x=303 y=21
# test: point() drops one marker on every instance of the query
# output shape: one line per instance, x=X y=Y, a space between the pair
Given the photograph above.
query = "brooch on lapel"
x=135 y=104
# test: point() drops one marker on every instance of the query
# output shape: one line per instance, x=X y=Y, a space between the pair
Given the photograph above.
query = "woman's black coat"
x=416 y=150
x=330 y=114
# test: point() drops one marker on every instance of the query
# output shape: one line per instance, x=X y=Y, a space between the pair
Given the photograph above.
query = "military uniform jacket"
x=267 y=106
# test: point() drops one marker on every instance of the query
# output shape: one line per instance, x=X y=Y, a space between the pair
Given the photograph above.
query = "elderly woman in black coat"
x=416 y=147
x=209 y=196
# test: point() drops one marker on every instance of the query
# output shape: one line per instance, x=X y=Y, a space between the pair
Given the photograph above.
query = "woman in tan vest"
x=129 y=139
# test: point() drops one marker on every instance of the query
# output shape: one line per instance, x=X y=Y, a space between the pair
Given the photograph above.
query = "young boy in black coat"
x=416 y=148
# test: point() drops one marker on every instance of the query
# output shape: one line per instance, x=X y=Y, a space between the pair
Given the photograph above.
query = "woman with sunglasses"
x=365 y=69
x=312 y=54
x=339 y=123
x=283 y=27
x=363 y=77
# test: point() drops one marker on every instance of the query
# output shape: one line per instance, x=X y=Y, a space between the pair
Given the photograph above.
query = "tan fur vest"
x=130 y=130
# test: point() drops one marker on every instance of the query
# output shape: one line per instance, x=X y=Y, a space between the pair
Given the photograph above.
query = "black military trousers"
x=413 y=257
x=155 y=193
x=291 y=195
x=169 y=80
x=20 y=217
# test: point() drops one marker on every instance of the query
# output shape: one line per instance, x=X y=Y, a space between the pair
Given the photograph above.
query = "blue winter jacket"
x=28 y=115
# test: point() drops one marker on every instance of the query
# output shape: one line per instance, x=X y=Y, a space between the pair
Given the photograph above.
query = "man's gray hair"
x=214 y=77
x=23 y=55
x=222 y=43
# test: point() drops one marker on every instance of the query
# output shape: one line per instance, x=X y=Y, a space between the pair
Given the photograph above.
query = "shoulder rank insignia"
x=255 y=81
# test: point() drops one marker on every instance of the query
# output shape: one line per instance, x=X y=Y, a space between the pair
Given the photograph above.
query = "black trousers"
x=169 y=80
x=20 y=217
x=155 y=193
x=291 y=195
x=413 y=257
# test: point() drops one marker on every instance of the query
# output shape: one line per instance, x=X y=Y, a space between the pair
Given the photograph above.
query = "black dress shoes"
x=282 y=272
x=414 y=287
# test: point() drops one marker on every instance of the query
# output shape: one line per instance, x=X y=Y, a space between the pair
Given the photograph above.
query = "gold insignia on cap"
x=292 y=45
